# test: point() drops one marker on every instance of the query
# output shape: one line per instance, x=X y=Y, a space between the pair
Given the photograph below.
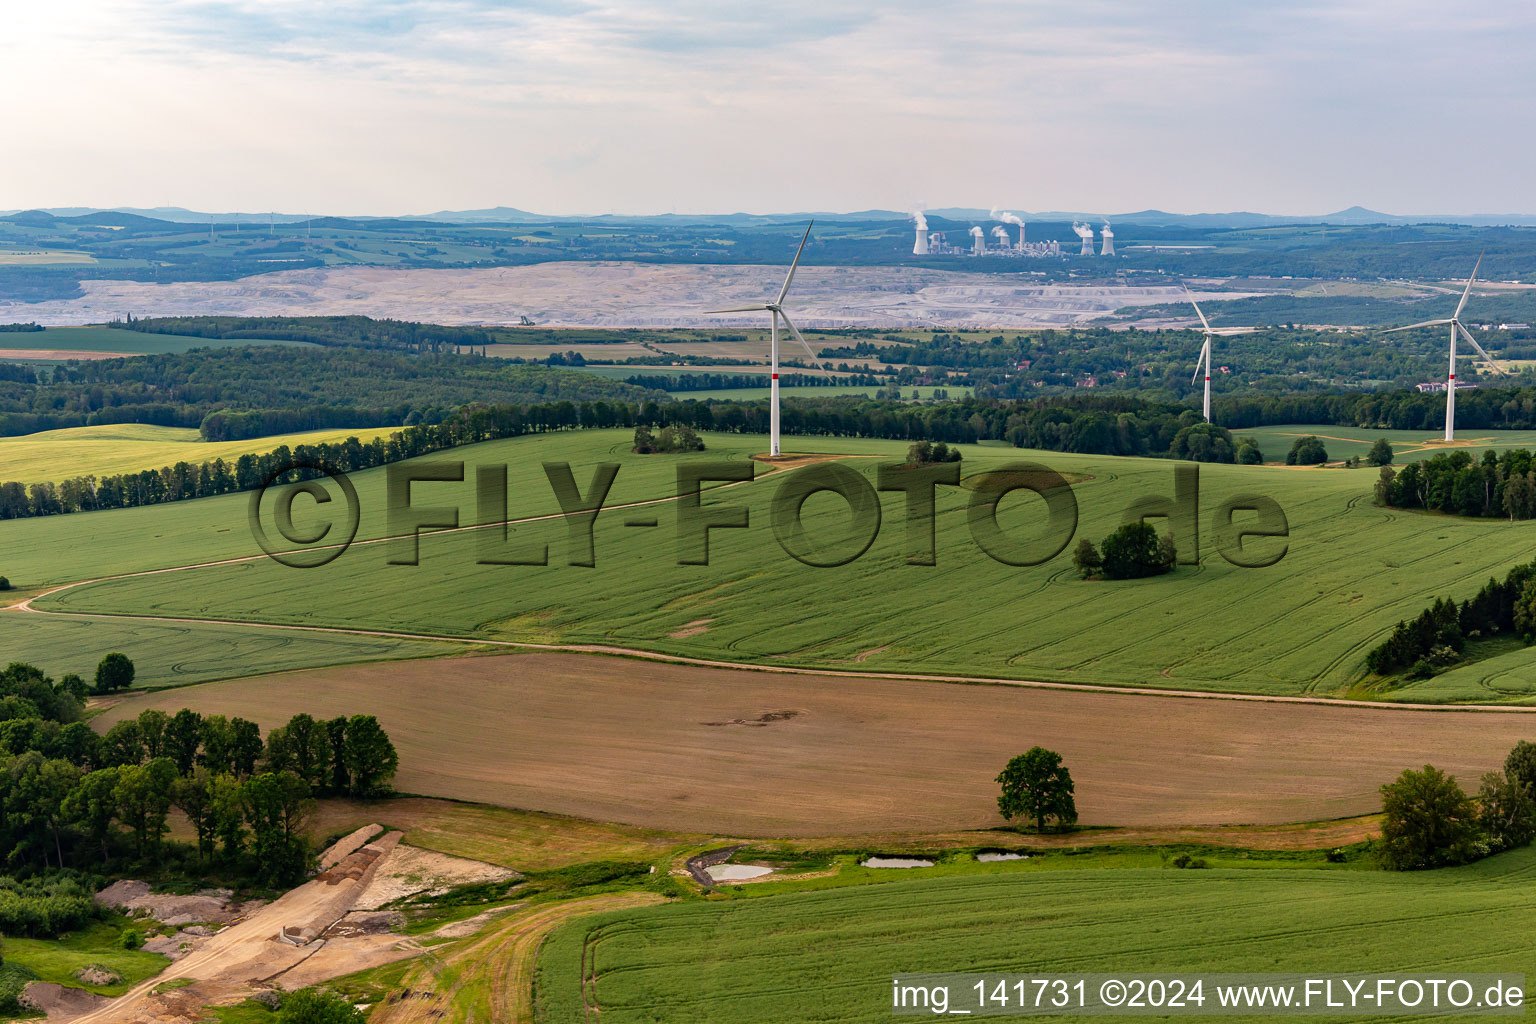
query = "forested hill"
x=296 y=388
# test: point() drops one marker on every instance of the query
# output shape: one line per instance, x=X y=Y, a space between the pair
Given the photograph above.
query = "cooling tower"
x=920 y=248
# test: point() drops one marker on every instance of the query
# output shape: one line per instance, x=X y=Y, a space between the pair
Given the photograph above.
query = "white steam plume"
x=919 y=220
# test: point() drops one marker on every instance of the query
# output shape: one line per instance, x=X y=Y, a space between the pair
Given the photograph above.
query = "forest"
x=316 y=388
x=75 y=800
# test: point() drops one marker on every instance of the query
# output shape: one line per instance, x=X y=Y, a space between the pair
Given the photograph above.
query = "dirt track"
x=656 y=745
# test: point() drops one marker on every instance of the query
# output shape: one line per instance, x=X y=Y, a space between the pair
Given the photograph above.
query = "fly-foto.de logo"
x=307 y=514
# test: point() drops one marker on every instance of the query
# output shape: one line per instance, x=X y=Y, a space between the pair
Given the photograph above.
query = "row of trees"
x=1429 y=821
x=1437 y=636
x=1500 y=484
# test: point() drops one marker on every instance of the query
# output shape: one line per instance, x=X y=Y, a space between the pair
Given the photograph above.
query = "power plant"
x=932 y=243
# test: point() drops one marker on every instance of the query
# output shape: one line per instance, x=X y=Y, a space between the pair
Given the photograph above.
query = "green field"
x=175 y=653
x=97 y=945
x=54 y=455
x=1351 y=572
x=830 y=955
x=1407 y=445
x=116 y=341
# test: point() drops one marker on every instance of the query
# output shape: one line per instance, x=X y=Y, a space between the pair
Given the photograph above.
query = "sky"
x=714 y=106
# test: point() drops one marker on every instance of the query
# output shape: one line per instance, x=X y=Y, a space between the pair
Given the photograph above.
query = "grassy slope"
x=830 y=955
x=57 y=960
x=1302 y=626
x=55 y=455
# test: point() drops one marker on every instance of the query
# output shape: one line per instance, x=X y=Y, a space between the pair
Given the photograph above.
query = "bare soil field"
x=727 y=751
x=615 y=294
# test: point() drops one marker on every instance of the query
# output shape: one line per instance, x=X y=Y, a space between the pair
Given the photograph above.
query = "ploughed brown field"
x=749 y=753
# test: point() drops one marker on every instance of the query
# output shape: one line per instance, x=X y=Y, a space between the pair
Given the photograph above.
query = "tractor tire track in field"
x=494 y=971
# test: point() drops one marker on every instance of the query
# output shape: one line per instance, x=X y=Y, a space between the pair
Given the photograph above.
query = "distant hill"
x=1354 y=215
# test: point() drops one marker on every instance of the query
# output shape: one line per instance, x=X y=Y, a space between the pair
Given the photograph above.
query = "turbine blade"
x=1468 y=291
x=1411 y=327
x=740 y=309
x=796 y=332
x=1205 y=355
x=791 y=275
x=1473 y=342
x=1203 y=321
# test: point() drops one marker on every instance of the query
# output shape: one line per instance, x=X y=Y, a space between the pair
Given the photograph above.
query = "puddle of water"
x=896 y=862
x=737 y=872
x=989 y=858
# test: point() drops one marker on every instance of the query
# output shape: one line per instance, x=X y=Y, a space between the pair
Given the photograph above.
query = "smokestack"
x=978 y=241
x=1109 y=241
x=1010 y=218
x=1085 y=233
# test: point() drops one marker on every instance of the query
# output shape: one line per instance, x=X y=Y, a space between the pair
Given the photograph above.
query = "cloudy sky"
x=411 y=106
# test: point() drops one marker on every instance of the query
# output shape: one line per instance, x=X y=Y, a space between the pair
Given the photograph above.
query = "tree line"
x=71 y=799
x=1437 y=636
x=1500 y=484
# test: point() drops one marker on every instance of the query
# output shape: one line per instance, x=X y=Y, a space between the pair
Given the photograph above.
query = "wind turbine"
x=1456 y=326
x=775 y=311
x=1205 y=349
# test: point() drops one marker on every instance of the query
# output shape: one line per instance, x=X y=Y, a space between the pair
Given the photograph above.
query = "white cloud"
x=411 y=105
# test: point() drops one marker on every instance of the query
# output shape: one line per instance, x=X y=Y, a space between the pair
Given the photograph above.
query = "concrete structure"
x=1108 y=237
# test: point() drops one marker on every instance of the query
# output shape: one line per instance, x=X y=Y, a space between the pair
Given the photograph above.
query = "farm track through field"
x=494 y=972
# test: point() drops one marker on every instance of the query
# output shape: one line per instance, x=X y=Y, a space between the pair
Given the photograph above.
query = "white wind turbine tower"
x=1456 y=327
x=1205 y=350
x=776 y=313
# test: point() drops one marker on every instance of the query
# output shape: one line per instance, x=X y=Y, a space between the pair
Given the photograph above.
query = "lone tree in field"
x=1380 y=453
x=1036 y=785
x=1203 y=442
x=1307 y=451
x=1134 y=551
x=1248 y=453
x=114 y=673
x=1427 y=822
